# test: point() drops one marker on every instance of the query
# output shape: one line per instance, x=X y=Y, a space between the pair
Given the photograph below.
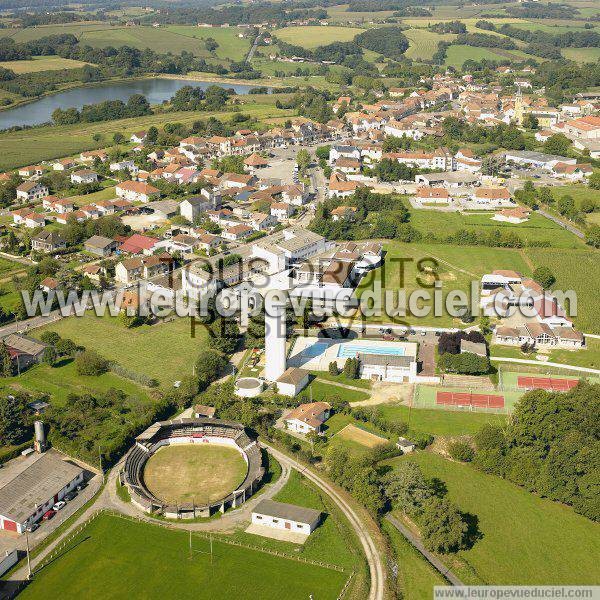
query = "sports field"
x=464 y=399
x=313 y=36
x=546 y=379
x=42 y=63
x=525 y=539
x=118 y=558
x=198 y=473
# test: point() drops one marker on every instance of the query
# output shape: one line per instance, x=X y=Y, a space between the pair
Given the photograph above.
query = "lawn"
x=535 y=230
x=525 y=539
x=574 y=270
x=44 y=143
x=42 y=63
x=341 y=378
x=458 y=266
x=458 y=54
x=9 y=267
x=316 y=391
x=578 y=193
x=164 y=351
x=439 y=422
x=107 y=193
x=589 y=358
x=313 y=36
x=581 y=55
x=198 y=473
x=60 y=381
x=230 y=45
x=416 y=577
x=116 y=558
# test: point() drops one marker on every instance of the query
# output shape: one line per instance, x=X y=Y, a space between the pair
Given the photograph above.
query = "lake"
x=155 y=90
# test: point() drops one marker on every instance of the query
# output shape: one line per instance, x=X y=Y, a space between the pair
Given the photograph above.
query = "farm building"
x=29 y=486
x=279 y=515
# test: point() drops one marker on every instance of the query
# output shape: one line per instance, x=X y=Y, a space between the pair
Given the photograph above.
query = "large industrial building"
x=30 y=485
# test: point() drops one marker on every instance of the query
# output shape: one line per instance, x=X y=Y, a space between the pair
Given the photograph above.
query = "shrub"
x=90 y=362
x=461 y=451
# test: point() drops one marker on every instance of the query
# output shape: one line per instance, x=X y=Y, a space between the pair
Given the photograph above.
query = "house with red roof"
x=139 y=244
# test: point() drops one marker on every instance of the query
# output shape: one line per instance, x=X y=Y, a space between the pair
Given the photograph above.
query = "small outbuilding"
x=293 y=381
x=279 y=515
x=405 y=445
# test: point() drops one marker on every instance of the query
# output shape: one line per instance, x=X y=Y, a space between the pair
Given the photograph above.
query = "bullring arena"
x=192 y=467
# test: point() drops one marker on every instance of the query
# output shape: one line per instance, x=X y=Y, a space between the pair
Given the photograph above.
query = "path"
x=18 y=259
x=563 y=224
x=538 y=363
x=435 y=562
x=27 y=324
x=343 y=385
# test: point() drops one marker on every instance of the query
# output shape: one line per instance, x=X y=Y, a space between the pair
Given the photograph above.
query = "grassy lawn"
x=44 y=143
x=574 y=270
x=589 y=358
x=520 y=543
x=582 y=55
x=116 y=558
x=313 y=36
x=341 y=378
x=230 y=45
x=579 y=192
x=316 y=391
x=198 y=473
x=537 y=229
x=458 y=54
x=9 y=267
x=416 y=577
x=164 y=351
x=107 y=193
x=458 y=266
x=60 y=381
x=444 y=423
x=42 y=63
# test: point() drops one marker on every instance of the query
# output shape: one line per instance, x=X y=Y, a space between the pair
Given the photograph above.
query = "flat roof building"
x=279 y=515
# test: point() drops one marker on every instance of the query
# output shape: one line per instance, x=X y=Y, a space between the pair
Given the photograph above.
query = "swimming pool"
x=315 y=350
x=351 y=350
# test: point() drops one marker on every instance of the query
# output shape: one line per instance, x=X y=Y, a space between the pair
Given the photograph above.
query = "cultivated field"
x=230 y=44
x=360 y=436
x=164 y=351
x=423 y=43
x=519 y=543
x=42 y=63
x=198 y=473
x=313 y=36
x=118 y=558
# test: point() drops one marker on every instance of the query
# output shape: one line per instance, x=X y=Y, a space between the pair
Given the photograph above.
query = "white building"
x=277 y=515
x=307 y=418
x=292 y=382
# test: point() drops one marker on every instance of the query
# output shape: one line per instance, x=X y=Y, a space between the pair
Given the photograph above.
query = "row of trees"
x=136 y=106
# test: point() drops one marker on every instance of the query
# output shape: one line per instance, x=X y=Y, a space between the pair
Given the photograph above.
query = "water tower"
x=39 y=442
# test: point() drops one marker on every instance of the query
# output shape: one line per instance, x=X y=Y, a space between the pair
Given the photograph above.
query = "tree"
x=50 y=356
x=407 y=487
x=49 y=337
x=592 y=236
x=209 y=365
x=443 y=527
x=594 y=180
x=151 y=135
x=303 y=160
x=544 y=276
x=333 y=368
x=485 y=325
x=352 y=368
x=13 y=415
x=66 y=347
x=91 y=363
x=558 y=144
x=462 y=451
x=587 y=205
x=565 y=205
x=6 y=364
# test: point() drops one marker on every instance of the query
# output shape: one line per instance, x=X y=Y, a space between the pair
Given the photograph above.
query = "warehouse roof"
x=291 y=512
x=33 y=482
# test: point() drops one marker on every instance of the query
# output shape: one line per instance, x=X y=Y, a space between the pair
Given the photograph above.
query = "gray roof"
x=49 y=236
x=385 y=360
x=291 y=512
x=34 y=485
x=535 y=156
x=25 y=344
x=478 y=348
x=98 y=241
x=166 y=207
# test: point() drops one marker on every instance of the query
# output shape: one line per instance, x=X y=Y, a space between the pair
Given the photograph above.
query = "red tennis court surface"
x=546 y=383
x=468 y=399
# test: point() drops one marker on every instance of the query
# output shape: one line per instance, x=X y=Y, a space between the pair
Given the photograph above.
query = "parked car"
x=31 y=528
x=59 y=505
x=70 y=496
x=48 y=515
x=81 y=486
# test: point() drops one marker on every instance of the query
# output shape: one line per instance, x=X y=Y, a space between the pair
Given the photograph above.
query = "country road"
x=562 y=223
x=253 y=48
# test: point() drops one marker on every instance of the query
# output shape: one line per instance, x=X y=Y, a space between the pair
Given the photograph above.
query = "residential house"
x=100 y=245
x=134 y=269
x=30 y=191
x=137 y=191
x=307 y=418
x=84 y=176
x=48 y=241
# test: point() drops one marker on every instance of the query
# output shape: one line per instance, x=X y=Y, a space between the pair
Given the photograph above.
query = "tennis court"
x=549 y=384
x=455 y=398
x=523 y=381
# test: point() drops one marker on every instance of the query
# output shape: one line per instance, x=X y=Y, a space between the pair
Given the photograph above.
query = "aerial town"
x=299 y=292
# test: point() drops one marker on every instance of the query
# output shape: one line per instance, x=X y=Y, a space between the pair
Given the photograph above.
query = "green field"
x=425 y=397
x=116 y=558
x=416 y=577
x=8 y=267
x=339 y=14
x=589 y=358
x=525 y=539
x=44 y=143
x=230 y=44
x=458 y=266
x=424 y=43
x=458 y=54
x=164 y=351
x=42 y=63
x=313 y=36
x=578 y=193
x=439 y=422
x=581 y=55
x=316 y=391
x=60 y=381
x=574 y=270
x=537 y=229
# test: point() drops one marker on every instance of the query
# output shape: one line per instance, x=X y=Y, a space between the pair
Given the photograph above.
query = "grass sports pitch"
x=117 y=558
x=199 y=473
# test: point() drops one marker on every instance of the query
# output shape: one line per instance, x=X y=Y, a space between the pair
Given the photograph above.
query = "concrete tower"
x=275 y=358
x=519 y=108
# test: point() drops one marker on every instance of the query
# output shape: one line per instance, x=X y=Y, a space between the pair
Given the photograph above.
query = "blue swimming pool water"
x=315 y=350
x=351 y=350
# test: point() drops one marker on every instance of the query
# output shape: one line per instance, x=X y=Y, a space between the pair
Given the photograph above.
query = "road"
x=431 y=558
x=253 y=49
x=372 y=554
x=562 y=223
